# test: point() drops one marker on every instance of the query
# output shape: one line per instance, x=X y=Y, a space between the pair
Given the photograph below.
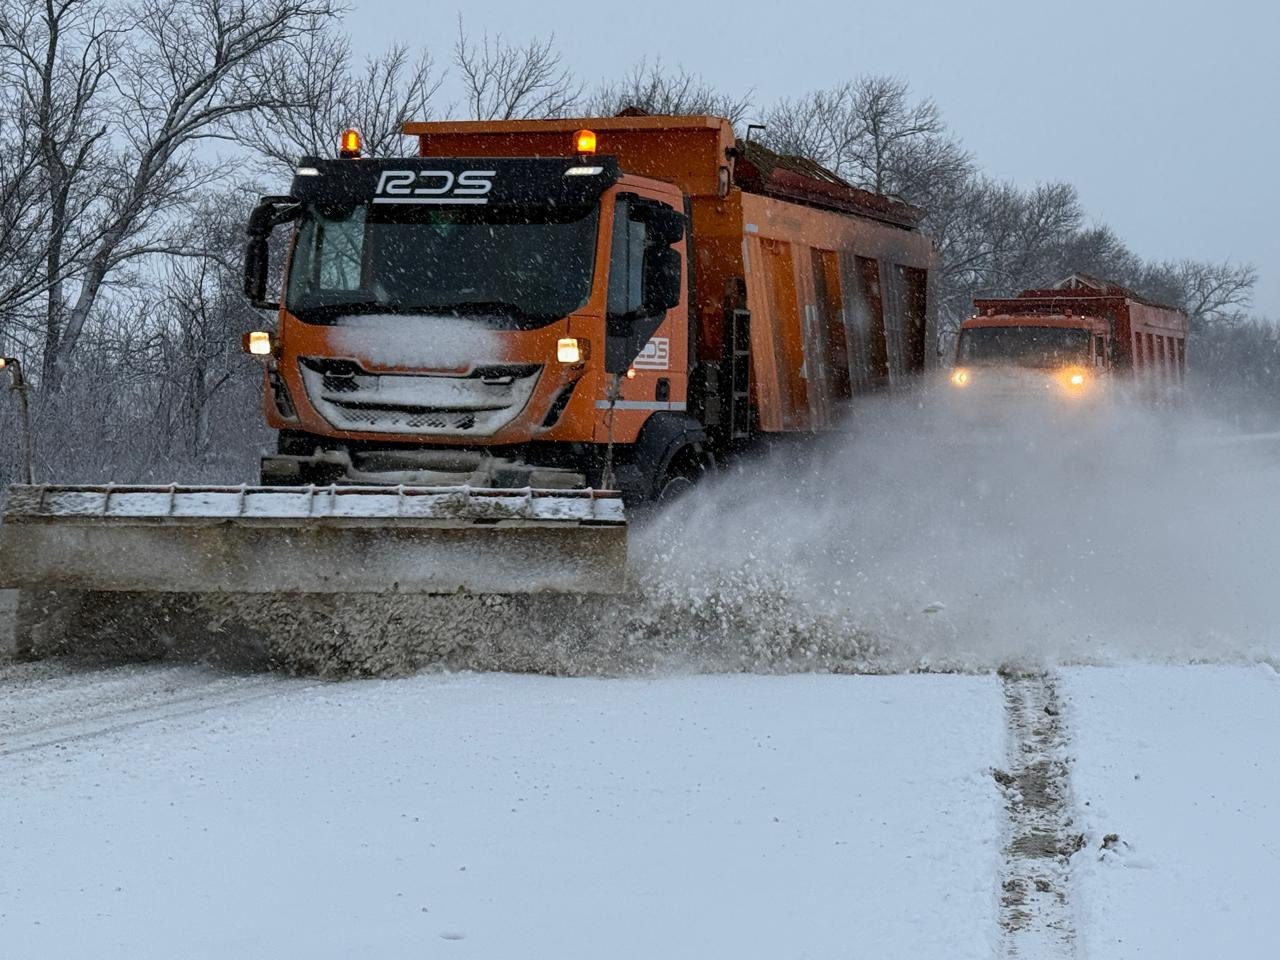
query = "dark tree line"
x=138 y=132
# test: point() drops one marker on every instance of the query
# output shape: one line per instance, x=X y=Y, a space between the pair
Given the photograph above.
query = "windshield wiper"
x=327 y=311
x=491 y=308
x=331 y=311
x=473 y=308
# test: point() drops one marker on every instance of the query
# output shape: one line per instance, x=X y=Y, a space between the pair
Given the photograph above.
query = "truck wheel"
x=673 y=488
x=684 y=471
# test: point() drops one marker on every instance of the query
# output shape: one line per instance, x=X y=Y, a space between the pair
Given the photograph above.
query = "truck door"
x=646 y=319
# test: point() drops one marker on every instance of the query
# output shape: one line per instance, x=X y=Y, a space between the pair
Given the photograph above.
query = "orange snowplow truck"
x=614 y=303
x=1076 y=338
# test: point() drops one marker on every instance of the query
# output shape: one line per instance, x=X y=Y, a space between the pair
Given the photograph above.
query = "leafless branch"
x=653 y=89
x=320 y=93
x=503 y=81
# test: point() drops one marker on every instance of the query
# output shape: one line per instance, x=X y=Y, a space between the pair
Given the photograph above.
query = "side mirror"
x=267 y=215
x=666 y=226
x=256 y=265
x=661 y=280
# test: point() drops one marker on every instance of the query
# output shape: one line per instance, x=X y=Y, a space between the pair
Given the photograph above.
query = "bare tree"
x=201 y=313
x=994 y=238
x=651 y=88
x=59 y=60
x=1237 y=367
x=1212 y=294
x=159 y=385
x=22 y=241
x=873 y=134
x=121 y=98
x=503 y=81
x=901 y=140
x=321 y=92
x=822 y=126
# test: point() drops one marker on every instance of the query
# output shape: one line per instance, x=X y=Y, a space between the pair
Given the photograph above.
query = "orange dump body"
x=797 y=294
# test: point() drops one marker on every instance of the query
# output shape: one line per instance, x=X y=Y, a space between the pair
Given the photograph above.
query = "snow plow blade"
x=124 y=557
x=312 y=539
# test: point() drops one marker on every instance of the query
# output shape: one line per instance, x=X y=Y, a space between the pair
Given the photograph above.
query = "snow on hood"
x=419 y=341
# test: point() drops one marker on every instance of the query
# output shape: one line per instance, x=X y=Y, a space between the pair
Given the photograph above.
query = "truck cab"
x=1081 y=339
x=1057 y=355
x=531 y=305
x=613 y=303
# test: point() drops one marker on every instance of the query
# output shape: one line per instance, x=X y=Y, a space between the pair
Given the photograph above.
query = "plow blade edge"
x=249 y=540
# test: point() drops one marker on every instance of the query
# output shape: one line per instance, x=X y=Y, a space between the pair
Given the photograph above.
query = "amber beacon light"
x=585 y=141
x=350 y=144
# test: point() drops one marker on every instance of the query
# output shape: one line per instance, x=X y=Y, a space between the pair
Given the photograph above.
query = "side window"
x=626 y=262
x=328 y=255
x=340 y=246
x=1099 y=351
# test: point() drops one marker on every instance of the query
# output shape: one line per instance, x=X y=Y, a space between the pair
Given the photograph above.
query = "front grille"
x=477 y=403
x=433 y=420
x=334 y=384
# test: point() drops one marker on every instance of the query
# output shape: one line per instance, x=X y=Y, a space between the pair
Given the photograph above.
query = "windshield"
x=515 y=269
x=1025 y=346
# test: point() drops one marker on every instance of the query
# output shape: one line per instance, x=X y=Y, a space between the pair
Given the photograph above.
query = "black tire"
x=673 y=488
x=683 y=473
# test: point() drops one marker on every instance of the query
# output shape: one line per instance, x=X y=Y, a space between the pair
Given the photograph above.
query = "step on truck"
x=480 y=353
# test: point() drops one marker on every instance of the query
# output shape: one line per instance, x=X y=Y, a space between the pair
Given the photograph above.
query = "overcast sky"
x=1163 y=114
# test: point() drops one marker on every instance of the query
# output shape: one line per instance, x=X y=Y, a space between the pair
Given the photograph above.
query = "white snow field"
x=1113 y=795
x=157 y=812
x=170 y=812
x=1182 y=765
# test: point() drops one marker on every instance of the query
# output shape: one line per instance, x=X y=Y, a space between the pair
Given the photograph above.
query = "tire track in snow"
x=100 y=705
x=1037 y=919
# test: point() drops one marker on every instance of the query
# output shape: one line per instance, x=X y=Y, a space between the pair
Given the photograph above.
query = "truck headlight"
x=571 y=350
x=1074 y=379
x=960 y=377
x=257 y=343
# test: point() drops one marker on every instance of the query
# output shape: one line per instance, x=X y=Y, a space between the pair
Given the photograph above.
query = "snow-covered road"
x=1181 y=765
x=175 y=811
x=1124 y=809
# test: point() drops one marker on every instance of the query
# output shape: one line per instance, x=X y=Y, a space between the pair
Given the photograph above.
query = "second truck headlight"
x=571 y=350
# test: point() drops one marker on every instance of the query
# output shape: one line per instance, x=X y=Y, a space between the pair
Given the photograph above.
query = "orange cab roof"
x=1079 y=321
